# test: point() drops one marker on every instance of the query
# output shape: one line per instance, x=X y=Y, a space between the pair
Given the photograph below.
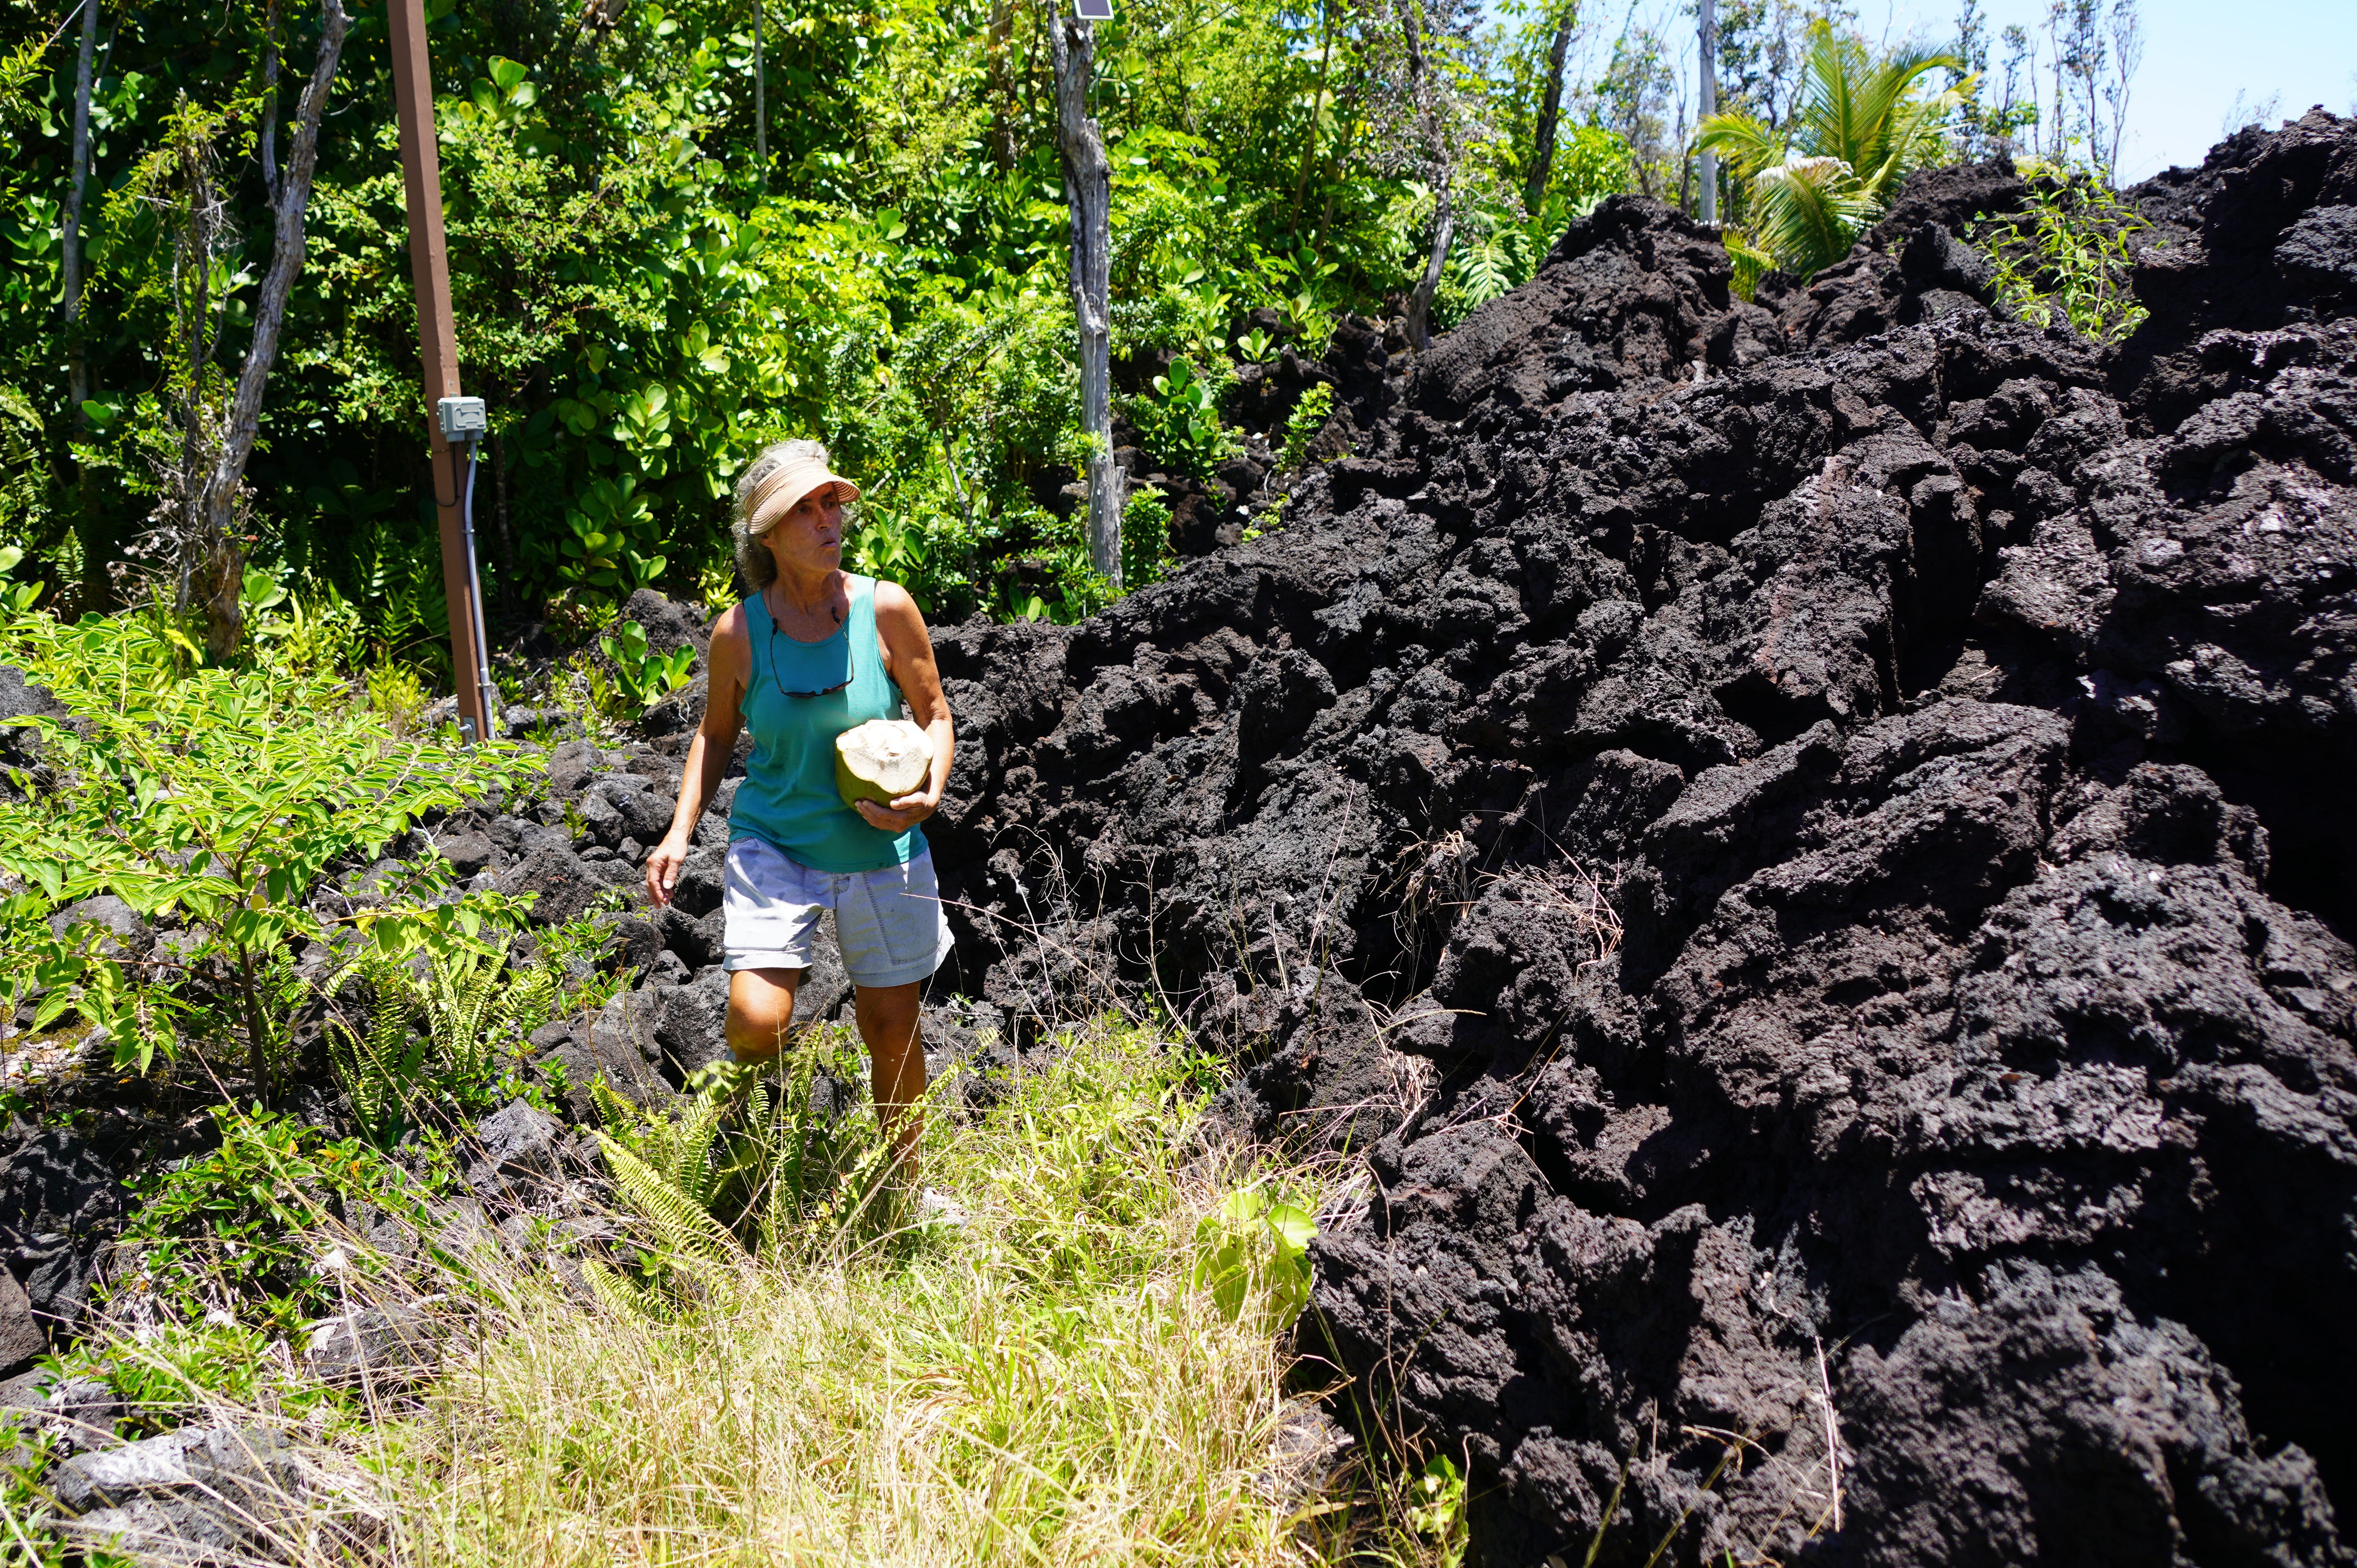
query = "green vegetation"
x=2064 y=260
x=1081 y=1371
x=644 y=300
x=1809 y=185
x=211 y=800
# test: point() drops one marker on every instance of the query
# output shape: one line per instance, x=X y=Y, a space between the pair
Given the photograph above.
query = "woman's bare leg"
x=761 y=1011
x=895 y=1054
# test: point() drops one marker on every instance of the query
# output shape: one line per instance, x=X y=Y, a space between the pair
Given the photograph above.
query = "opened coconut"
x=881 y=760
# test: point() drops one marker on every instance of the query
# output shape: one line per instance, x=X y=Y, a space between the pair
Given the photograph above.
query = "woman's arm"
x=708 y=752
x=908 y=658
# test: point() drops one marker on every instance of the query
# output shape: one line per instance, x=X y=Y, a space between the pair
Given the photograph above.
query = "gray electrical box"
x=463 y=419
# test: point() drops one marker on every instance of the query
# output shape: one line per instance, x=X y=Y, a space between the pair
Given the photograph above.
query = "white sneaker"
x=935 y=1206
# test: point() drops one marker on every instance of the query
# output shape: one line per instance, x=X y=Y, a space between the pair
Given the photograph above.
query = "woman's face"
x=808 y=539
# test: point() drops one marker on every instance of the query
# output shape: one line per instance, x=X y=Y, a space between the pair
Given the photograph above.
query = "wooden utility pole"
x=1707 y=207
x=1088 y=192
x=429 y=270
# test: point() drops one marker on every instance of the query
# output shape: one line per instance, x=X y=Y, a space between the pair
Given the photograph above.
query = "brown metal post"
x=429 y=270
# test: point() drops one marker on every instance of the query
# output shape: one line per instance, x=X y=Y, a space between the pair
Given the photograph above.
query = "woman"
x=812 y=652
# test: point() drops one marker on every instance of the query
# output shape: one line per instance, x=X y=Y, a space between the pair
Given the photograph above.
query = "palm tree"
x=1813 y=183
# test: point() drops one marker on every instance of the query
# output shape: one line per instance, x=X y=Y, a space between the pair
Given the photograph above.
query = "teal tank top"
x=789 y=798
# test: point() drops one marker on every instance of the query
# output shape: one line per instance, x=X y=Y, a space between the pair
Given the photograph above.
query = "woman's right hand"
x=663 y=868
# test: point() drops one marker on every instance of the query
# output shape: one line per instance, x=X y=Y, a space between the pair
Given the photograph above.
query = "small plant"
x=2067 y=259
x=1256 y=346
x=751 y=1167
x=1145 y=553
x=432 y=1050
x=1437 y=1509
x=642 y=675
x=397 y=695
x=1182 y=420
x=1253 y=1248
x=716 y=585
x=1302 y=425
x=234 y=1232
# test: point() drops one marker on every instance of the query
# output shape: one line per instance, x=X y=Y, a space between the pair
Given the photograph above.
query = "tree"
x=1441 y=163
x=1088 y=192
x=209 y=491
x=1863 y=124
x=70 y=257
x=1550 y=111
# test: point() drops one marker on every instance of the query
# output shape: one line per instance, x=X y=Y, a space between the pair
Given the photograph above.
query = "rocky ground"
x=1800 y=839
x=1809 y=843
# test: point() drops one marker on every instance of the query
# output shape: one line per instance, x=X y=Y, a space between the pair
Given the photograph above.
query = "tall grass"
x=1050 y=1384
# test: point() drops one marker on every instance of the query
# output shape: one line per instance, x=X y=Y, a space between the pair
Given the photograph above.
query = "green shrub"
x=1145 y=553
x=1302 y=425
x=645 y=677
x=2066 y=259
x=240 y=1232
x=216 y=797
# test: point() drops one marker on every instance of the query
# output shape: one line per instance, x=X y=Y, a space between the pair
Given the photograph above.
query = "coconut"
x=881 y=760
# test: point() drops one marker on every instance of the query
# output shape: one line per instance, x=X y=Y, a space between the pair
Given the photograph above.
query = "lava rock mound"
x=1807 y=841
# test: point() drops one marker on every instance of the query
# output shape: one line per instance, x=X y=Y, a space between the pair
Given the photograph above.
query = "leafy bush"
x=237 y=1232
x=217 y=798
x=1302 y=425
x=1181 y=420
x=1145 y=551
x=2066 y=259
x=644 y=676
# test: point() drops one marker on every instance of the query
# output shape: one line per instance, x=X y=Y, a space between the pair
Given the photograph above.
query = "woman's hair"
x=755 y=565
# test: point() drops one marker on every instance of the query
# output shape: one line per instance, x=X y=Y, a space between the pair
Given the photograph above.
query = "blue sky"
x=2197 y=54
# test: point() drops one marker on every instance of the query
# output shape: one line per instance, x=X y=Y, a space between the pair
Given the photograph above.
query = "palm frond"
x=1863 y=124
x=1808 y=212
x=1748 y=143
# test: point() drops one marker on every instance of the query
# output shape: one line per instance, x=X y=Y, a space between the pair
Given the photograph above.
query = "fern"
x=742 y=1168
x=685 y=1227
x=465 y=1008
x=380 y=1073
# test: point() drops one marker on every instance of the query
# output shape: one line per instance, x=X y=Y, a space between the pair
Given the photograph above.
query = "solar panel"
x=1095 y=10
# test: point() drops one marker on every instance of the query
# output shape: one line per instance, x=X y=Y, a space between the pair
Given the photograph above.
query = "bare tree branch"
x=218 y=578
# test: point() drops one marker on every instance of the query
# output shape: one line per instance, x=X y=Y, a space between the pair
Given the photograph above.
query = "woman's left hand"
x=903 y=813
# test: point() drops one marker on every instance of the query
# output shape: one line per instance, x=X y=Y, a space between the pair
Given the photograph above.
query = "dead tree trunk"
x=998 y=85
x=1443 y=164
x=219 y=561
x=77 y=387
x=1550 y=116
x=267 y=143
x=1088 y=192
x=760 y=101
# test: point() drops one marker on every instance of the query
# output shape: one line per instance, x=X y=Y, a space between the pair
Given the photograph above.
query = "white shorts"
x=887 y=922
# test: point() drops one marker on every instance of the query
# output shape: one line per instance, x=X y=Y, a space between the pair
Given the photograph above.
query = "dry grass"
x=1045 y=1386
